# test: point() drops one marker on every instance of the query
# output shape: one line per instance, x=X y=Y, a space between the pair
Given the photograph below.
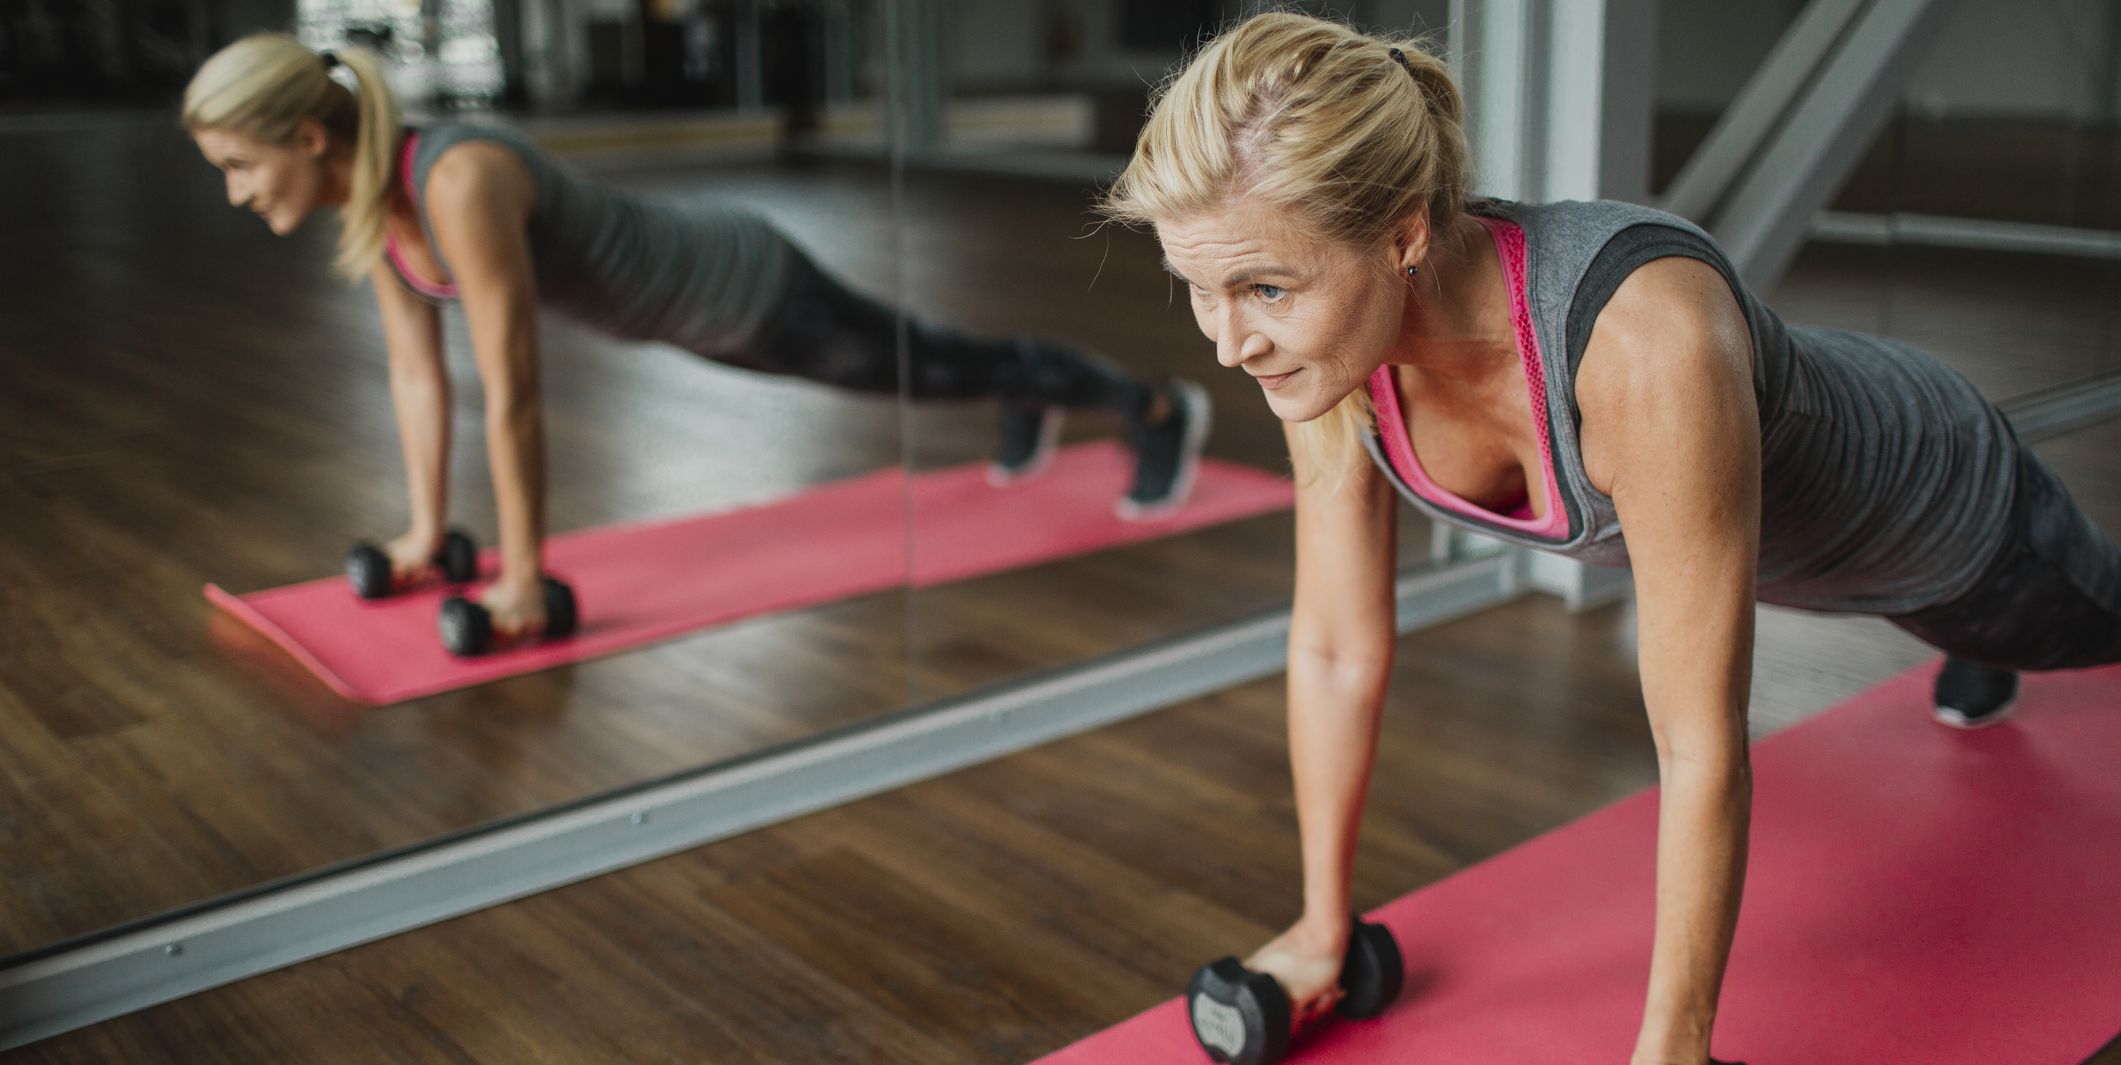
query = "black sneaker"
x=1029 y=436
x=1971 y=695
x=1167 y=454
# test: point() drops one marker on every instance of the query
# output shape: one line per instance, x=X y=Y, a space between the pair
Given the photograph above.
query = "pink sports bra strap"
x=431 y=289
x=1399 y=444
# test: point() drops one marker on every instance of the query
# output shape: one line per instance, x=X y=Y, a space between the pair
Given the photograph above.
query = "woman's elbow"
x=1345 y=664
x=1723 y=759
x=512 y=408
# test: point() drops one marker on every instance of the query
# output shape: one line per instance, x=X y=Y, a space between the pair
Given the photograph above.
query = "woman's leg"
x=2051 y=600
x=826 y=332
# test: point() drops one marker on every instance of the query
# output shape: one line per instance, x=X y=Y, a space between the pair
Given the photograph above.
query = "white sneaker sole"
x=1049 y=432
x=1957 y=718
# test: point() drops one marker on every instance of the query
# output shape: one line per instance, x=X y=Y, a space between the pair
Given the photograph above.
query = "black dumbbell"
x=1243 y=1017
x=467 y=627
x=369 y=568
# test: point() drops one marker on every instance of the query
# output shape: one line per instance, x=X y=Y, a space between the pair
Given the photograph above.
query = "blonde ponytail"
x=375 y=152
x=264 y=85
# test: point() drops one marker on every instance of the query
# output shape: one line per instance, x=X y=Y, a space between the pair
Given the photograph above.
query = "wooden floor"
x=1007 y=910
x=169 y=420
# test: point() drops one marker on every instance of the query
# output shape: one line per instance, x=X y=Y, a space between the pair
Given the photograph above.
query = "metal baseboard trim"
x=61 y=989
x=1972 y=234
x=2066 y=409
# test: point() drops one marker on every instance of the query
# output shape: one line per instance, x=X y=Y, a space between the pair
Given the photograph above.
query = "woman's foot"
x=1166 y=451
x=1971 y=695
x=1029 y=436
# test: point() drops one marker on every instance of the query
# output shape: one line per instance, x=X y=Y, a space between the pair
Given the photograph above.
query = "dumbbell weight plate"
x=459 y=557
x=368 y=569
x=561 y=615
x=1372 y=974
x=1238 y=1016
x=467 y=629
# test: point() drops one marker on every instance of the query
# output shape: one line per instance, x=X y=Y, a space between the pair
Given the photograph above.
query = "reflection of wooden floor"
x=165 y=424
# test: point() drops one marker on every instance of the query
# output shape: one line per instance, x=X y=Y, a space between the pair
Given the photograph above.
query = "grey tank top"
x=702 y=277
x=1886 y=478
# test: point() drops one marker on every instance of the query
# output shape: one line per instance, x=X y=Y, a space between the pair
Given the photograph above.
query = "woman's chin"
x=1303 y=406
x=284 y=225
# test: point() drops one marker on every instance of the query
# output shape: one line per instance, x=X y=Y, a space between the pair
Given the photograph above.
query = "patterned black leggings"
x=826 y=332
x=2052 y=597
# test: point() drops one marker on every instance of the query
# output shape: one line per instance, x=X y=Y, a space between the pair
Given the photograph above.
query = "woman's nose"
x=1233 y=341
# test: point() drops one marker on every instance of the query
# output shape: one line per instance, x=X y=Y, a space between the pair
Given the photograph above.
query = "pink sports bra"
x=1399 y=446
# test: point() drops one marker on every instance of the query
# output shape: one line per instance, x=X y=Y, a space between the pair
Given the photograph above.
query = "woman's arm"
x=419 y=392
x=479 y=198
x=1671 y=431
x=1340 y=655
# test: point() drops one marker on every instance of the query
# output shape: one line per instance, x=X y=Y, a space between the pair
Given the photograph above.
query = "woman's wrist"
x=1673 y=1039
x=520 y=572
x=1325 y=927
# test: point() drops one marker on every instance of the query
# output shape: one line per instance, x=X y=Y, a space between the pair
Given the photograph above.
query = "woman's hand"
x=516 y=604
x=412 y=555
x=1306 y=962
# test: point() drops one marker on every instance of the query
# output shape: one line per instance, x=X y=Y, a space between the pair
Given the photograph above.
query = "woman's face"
x=1309 y=319
x=280 y=183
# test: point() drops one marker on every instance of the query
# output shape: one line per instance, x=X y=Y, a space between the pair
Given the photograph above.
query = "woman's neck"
x=338 y=175
x=1457 y=320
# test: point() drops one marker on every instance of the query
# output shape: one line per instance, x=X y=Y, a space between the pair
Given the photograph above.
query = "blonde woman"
x=1594 y=380
x=480 y=216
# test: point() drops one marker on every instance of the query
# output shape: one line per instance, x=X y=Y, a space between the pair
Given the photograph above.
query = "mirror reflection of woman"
x=479 y=215
x=1591 y=379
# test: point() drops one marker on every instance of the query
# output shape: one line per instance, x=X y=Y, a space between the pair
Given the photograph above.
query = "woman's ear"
x=1412 y=241
x=311 y=138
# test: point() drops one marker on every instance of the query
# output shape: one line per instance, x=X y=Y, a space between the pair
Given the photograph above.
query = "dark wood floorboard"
x=169 y=420
x=996 y=914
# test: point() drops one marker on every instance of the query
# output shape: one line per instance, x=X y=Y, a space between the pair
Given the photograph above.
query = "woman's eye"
x=1269 y=293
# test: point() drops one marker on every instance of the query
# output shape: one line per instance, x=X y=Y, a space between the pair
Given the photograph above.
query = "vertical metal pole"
x=1600 y=60
x=633 y=46
x=2109 y=77
x=1493 y=44
x=750 y=63
x=508 y=36
x=1558 y=93
x=921 y=75
x=839 y=51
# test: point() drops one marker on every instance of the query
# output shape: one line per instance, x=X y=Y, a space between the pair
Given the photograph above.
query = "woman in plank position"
x=1591 y=379
x=480 y=215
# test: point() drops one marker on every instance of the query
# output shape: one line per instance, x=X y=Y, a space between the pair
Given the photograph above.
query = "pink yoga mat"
x=1917 y=895
x=640 y=583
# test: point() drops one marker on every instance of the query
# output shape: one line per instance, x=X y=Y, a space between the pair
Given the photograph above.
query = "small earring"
x=1413 y=270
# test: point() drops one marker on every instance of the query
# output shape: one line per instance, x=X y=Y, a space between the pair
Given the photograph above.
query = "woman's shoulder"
x=449 y=133
x=472 y=154
x=1582 y=217
x=435 y=141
